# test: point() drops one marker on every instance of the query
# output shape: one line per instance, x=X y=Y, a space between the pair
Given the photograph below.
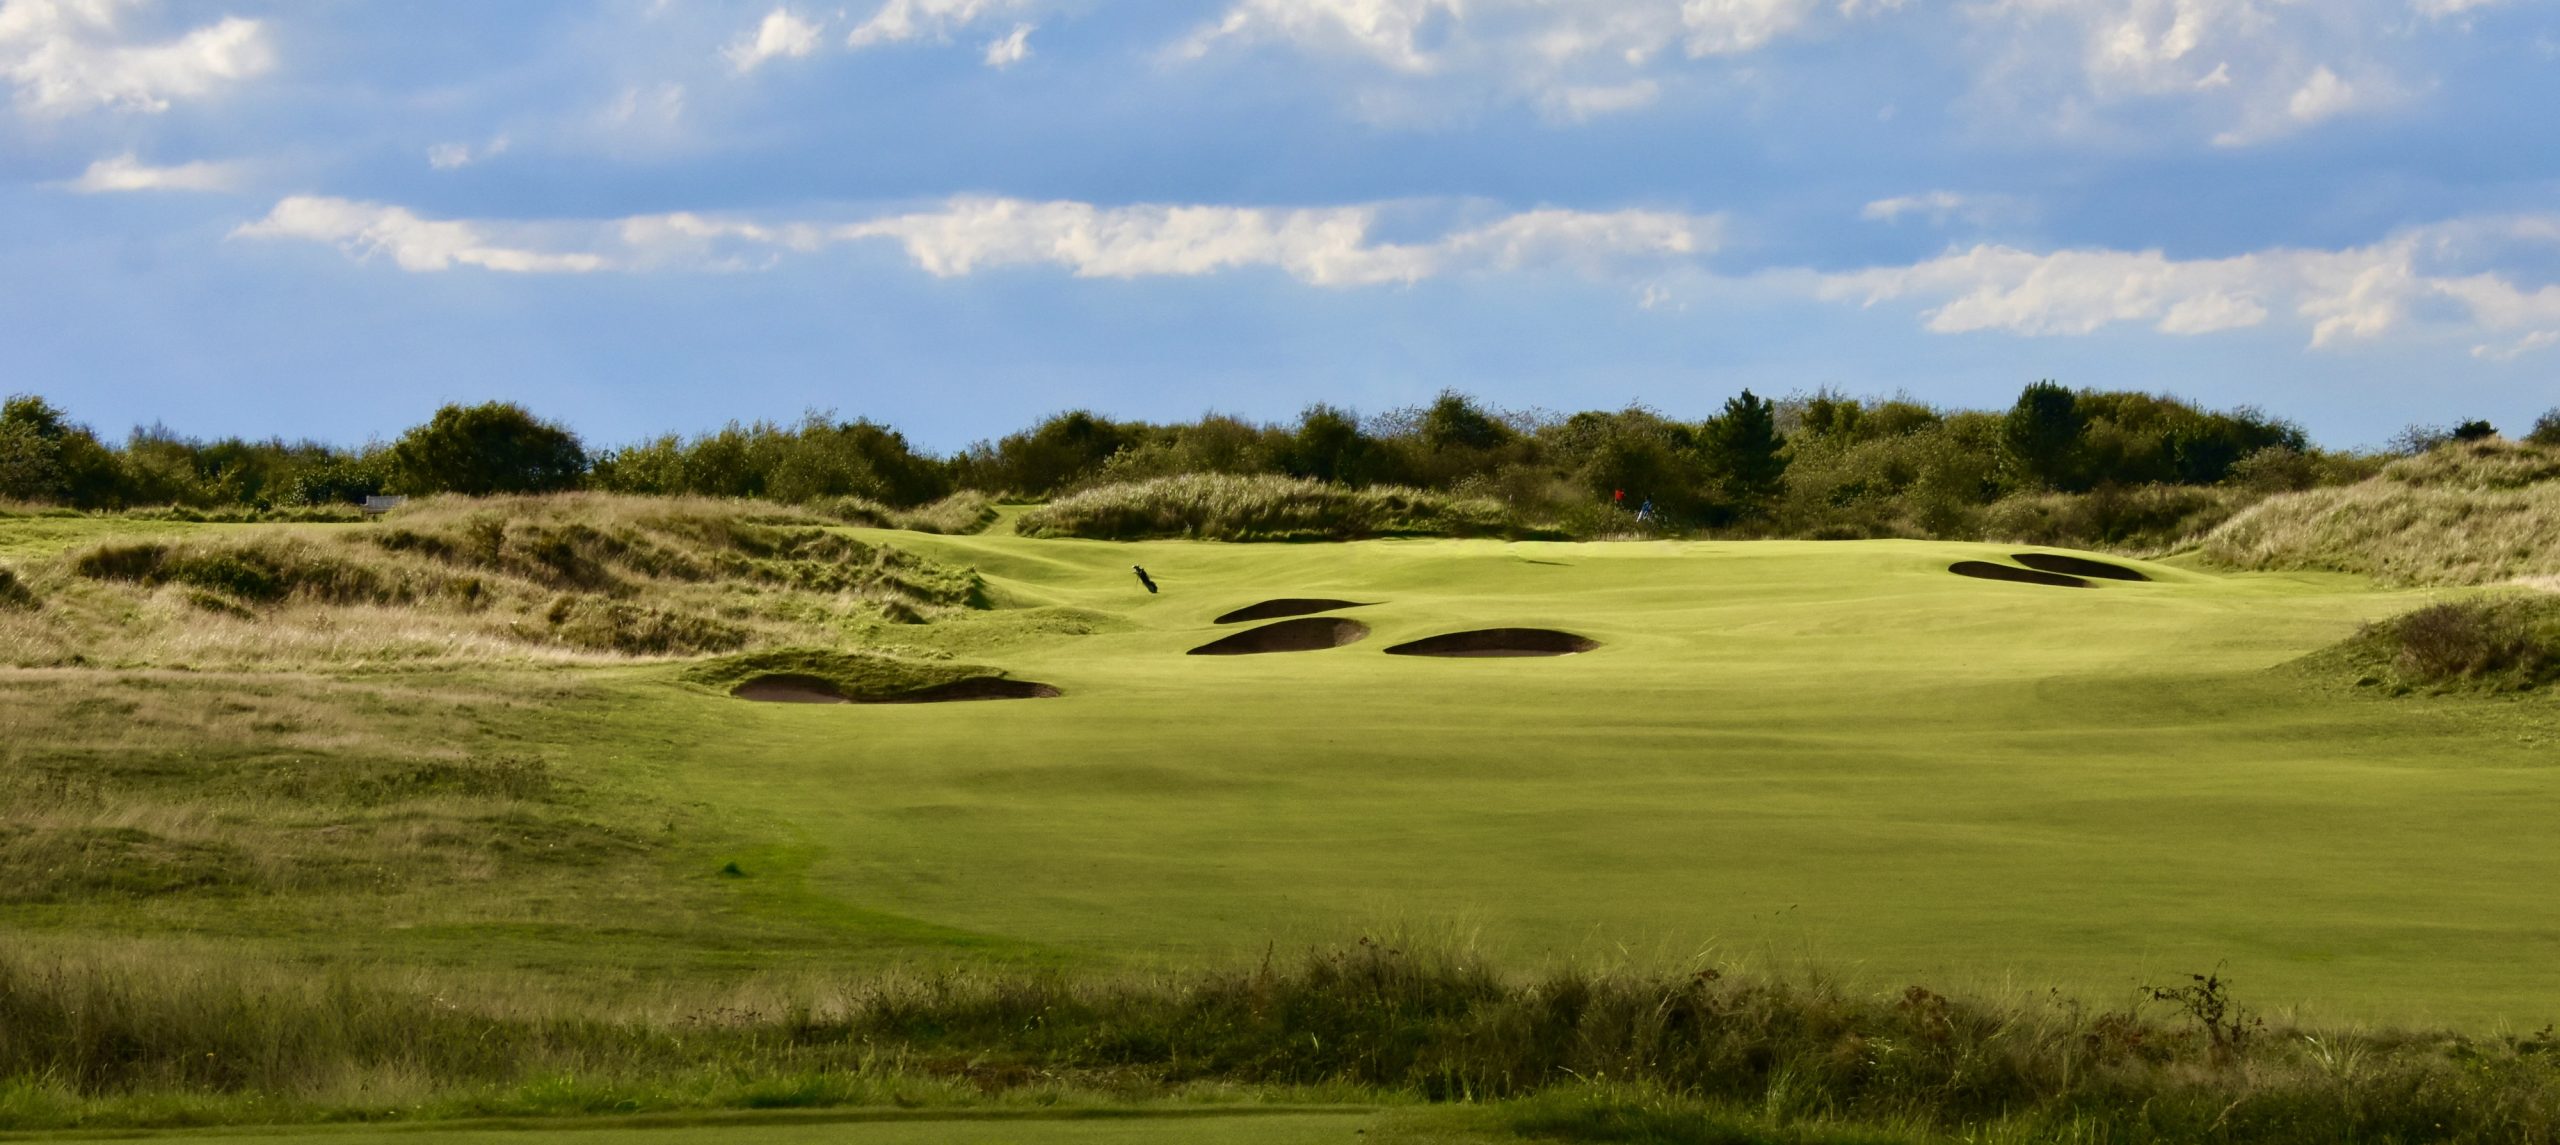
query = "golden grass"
x=576 y=578
x=2469 y=514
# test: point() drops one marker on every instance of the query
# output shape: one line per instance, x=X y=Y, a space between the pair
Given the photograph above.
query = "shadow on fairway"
x=1308 y=635
x=1489 y=642
x=1988 y=571
x=1286 y=606
x=2076 y=566
x=794 y=688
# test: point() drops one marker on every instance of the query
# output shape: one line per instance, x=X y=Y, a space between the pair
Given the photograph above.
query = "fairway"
x=1782 y=754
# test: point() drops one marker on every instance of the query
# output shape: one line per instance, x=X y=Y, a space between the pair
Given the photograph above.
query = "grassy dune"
x=1216 y=507
x=2465 y=514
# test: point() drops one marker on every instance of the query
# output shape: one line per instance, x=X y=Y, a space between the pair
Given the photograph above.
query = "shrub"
x=2517 y=642
x=495 y=447
x=2546 y=429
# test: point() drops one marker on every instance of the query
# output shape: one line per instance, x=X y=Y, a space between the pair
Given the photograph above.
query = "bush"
x=2546 y=429
x=495 y=447
x=2513 y=642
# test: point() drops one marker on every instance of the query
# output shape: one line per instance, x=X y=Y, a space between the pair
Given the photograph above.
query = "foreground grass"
x=1571 y=1055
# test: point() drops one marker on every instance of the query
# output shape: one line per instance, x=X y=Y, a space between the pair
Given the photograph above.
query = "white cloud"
x=2508 y=352
x=1576 y=104
x=126 y=173
x=72 y=55
x=1573 y=59
x=780 y=35
x=1937 y=206
x=414 y=244
x=453 y=156
x=1321 y=246
x=1010 y=49
x=2356 y=294
x=900 y=20
x=2443 y=8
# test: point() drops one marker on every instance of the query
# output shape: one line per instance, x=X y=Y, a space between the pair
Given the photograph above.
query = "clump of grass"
x=2141 y=519
x=1223 y=507
x=855 y=675
x=14 y=593
x=2466 y=513
x=967 y=511
x=2497 y=644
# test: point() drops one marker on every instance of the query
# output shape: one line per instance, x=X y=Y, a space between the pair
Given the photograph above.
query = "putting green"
x=1781 y=753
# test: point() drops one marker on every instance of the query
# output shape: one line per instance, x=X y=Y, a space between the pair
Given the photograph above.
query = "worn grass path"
x=1830 y=754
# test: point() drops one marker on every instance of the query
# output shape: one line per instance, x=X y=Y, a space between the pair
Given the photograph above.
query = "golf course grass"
x=1781 y=753
x=1794 y=759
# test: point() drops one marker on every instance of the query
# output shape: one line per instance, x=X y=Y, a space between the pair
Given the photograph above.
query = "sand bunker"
x=1285 y=606
x=1498 y=642
x=1308 y=635
x=793 y=688
x=1988 y=571
x=2076 y=566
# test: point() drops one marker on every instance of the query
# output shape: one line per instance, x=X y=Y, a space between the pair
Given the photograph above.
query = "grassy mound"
x=1214 y=507
x=2500 y=645
x=854 y=675
x=14 y=593
x=2470 y=513
x=458 y=577
x=964 y=512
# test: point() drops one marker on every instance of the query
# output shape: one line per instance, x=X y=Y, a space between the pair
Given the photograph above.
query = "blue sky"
x=324 y=218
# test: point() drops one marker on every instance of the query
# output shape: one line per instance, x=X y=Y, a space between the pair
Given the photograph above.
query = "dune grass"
x=967 y=511
x=1218 y=507
x=566 y=578
x=2465 y=514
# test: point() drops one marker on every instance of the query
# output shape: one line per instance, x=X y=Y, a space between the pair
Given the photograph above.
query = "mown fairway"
x=1785 y=753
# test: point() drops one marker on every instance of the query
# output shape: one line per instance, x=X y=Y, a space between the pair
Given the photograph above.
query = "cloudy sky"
x=324 y=217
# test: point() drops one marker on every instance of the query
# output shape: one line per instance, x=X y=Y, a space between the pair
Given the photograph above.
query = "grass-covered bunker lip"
x=1306 y=634
x=1287 y=606
x=1498 y=642
x=1985 y=570
x=2069 y=565
x=818 y=676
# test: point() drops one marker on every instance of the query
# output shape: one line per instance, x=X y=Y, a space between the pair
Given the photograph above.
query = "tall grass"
x=967 y=511
x=1222 y=507
x=2464 y=514
x=103 y=1039
x=564 y=577
x=2509 y=643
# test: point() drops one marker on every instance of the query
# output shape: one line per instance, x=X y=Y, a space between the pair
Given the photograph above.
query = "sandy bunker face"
x=1286 y=606
x=1307 y=635
x=794 y=688
x=2076 y=566
x=1489 y=642
x=1987 y=571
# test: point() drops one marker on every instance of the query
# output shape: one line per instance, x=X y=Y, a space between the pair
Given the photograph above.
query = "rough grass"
x=1218 y=507
x=1580 y=1055
x=2464 y=514
x=2503 y=644
x=134 y=787
x=577 y=576
x=967 y=511
x=2143 y=520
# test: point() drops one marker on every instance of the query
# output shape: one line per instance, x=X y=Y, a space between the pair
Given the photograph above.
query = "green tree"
x=2043 y=432
x=1456 y=422
x=1330 y=447
x=1745 y=450
x=494 y=447
x=2546 y=429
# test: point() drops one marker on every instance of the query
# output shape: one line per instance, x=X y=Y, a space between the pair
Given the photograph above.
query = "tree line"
x=1817 y=464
